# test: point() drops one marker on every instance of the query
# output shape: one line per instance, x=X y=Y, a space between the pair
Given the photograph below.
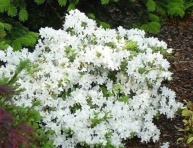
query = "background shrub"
x=20 y=20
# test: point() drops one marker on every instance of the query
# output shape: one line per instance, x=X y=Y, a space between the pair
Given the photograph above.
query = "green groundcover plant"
x=96 y=87
x=187 y=130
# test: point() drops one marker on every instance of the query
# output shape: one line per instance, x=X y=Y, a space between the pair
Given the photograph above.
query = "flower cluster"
x=96 y=86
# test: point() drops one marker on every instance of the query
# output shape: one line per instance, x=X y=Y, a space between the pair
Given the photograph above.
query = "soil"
x=178 y=34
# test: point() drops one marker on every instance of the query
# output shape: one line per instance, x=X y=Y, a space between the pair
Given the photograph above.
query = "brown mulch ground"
x=178 y=35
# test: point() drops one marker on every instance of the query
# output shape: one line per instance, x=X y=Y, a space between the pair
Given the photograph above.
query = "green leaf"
x=62 y=2
x=124 y=99
x=181 y=130
x=180 y=139
x=91 y=15
x=190 y=105
x=185 y=122
x=189 y=140
x=131 y=45
x=23 y=64
x=23 y=15
x=185 y=112
x=117 y=87
x=142 y=70
x=71 y=7
x=132 y=134
x=104 y=25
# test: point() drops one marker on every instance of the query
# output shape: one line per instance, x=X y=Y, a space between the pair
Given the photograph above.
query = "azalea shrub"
x=96 y=87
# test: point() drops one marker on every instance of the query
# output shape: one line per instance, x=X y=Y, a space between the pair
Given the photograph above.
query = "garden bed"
x=178 y=35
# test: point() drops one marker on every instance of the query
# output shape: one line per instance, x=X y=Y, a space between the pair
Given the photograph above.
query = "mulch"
x=178 y=34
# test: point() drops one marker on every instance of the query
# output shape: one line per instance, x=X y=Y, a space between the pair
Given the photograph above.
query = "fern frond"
x=176 y=7
x=3 y=45
x=16 y=35
x=12 y=11
x=3 y=28
x=71 y=6
x=176 y=11
x=4 y=4
x=33 y=34
x=62 y=2
x=150 y=5
x=7 y=26
x=27 y=40
x=161 y=10
x=16 y=45
x=23 y=15
x=188 y=5
x=2 y=25
x=2 y=33
x=154 y=17
x=152 y=27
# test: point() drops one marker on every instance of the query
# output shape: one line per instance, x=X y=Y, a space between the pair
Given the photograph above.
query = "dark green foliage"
x=151 y=5
x=12 y=8
x=16 y=35
x=23 y=14
x=176 y=7
x=12 y=31
x=144 y=14
x=19 y=19
x=152 y=27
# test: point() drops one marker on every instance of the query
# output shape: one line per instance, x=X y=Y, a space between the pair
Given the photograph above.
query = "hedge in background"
x=20 y=20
